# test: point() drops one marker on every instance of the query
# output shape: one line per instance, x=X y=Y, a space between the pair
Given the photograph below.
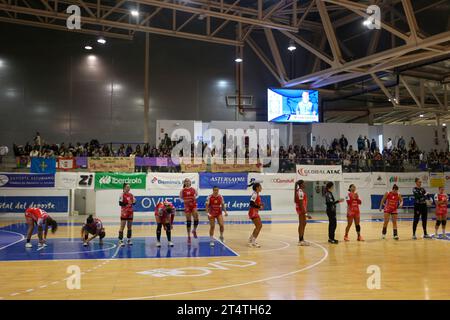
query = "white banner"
x=319 y=173
x=280 y=181
x=378 y=180
x=406 y=179
x=167 y=180
x=85 y=180
x=66 y=180
x=359 y=179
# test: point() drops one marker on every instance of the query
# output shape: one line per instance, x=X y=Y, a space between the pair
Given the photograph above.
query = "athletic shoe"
x=222 y=239
x=383 y=236
x=41 y=245
x=303 y=243
x=211 y=243
x=121 y=243
x=250 y=244
x=170 y=244
x=158 y=244
x=85 y=244
x=28 y=245
x=256 y=244
x=45 y=244
x=396 y=238
x=194 y=233
x=426 y=236
x=129 y=242
x=333 y=241
x=444 y=236
x=346 y=238
x=360 y=238
x=414 y=237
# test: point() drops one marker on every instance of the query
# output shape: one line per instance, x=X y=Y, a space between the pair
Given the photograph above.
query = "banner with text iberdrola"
x=106 y=180
x=319 y=173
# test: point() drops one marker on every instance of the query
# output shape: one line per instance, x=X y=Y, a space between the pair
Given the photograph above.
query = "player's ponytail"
x=350 y=187
x=53 y=224
x=255 y=185
x=395 y=187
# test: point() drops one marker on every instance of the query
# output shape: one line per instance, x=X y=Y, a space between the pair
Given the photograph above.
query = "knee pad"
x=102 y=235
x=444 y=222
x=188 y=223
x=120 y=235
x=358 y=228
x=196 y=223
x=167 y=227
x=438 y=223
x=129 y=233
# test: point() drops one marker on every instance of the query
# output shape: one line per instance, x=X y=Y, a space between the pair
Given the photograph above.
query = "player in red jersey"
x=126 y=202
x=214 y=206
x=391 y=201
x=301 y=206
x=92 y=226
x=164 y=215
x=189 y=196
x=353 y=214
x=253 y=213
x=441 y=201
x=36 y=216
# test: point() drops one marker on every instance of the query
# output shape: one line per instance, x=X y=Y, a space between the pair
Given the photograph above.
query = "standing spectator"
x=401 y=143
x=373 y=146
x=38 y=140
x=343 y=142
x=360 y=143
x=366 y=143
x=412 y=144
x=389 y=144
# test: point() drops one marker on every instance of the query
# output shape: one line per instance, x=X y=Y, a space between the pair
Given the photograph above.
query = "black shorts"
x=126 y=219
x=420 y=209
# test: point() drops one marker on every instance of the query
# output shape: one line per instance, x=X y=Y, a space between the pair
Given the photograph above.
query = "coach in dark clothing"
x=331 y=212
x=420 y=208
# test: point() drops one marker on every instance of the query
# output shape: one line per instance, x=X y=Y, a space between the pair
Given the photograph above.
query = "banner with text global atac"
x=236 y=181
x=27 y=180
x=106 y=180
x=233 y=203
x=319 y=173
x=17 y=204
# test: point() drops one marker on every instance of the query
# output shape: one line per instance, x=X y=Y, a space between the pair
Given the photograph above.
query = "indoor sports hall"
x=224 y=150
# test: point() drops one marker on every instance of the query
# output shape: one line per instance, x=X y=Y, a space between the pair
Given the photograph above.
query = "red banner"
x=66 y=163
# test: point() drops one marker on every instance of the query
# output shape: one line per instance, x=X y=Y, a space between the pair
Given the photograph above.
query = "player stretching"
x=253 y=214
x=301 y=206
x=92 y=226
x=189 y=196
x=126 y=202
x=164 y=213
x=36 y=216
x=214 y=206
x=391 y=201
x=441 y=201
x=353 y=214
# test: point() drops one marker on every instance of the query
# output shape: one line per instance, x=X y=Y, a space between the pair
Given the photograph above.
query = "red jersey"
x=352 y=204
x=160 y=209
x=392 y=201
x=254 y=212
x=301 y=197
x=37 y=215
x=215 y=205
x=189 y=196
x=95 y=227
x=126 y=211
x=441 y=209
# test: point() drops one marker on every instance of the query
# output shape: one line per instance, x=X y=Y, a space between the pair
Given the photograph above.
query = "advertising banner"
x=111 y=164
x=161 y=180
x=378 y=180
x=27 y=180
x=319 y=173
x=406 y=179
x=193 y=167
x=276 y=181
x=19 y=204
x=236 y=181
x=66 y=180
x=217 y=167
x=66 y=163
x=437 y=179
x=359 y=179
x=106 y=180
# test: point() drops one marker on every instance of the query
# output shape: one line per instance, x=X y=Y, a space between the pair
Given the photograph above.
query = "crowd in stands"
x=365 y=157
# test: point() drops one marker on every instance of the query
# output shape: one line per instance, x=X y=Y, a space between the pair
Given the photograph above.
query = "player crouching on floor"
x=92 y=226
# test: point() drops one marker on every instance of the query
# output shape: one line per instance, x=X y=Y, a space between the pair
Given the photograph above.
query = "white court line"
x=13 y=243
x=242 y=284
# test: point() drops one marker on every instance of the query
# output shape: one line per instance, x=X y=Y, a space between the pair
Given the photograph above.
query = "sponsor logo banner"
x=27 y=180
x=319 y=173
x=378 y=180
x=280 y=181
x=236 y=181
x=217 y=167
x=193 y=167
x=171 y=181
x=437 y=179
x=111 y=164
x=360 y=179
x=116 y=180
x=406 y=179
x=233 y=203
x=66 y=180
x=20 y=204
x=85 y=180
x=43 y=165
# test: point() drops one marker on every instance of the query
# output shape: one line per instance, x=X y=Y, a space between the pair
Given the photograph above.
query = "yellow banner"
x=216 y=167
x=110 y=164
x=437 y=179
x=193 y=167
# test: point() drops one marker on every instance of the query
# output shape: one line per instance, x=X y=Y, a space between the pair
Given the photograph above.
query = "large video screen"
x=292 y=105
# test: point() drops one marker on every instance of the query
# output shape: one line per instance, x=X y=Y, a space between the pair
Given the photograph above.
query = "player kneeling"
x=93 y=226
x=164 y=213
x=36 y=216
x=214 y=206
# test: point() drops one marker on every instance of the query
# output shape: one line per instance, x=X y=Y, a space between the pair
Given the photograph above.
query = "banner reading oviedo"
x=319 y=173
x=116 y=180
x=111 y=164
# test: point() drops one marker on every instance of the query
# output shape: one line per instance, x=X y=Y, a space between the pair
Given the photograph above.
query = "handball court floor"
x=409 y=269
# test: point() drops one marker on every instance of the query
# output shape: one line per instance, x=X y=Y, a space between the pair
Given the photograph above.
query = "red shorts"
x=441 y=214
x=393 y=212
x=190 y=208
x=253 y=214
x=164 y=217
x=214 y=214
x=353 y=214
x=126 y=216
x=29 y=219
x=299 y=211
